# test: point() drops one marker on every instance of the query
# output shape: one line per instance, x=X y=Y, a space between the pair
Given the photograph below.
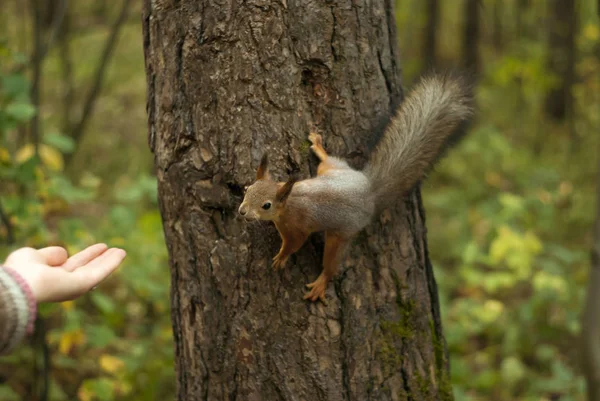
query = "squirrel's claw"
x=315 y=139
x=278 y=262
x=317 y=289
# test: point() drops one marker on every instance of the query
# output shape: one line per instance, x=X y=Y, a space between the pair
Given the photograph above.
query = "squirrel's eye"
x=266 y=206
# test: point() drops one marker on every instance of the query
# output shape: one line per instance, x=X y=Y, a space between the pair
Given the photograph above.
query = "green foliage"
x=509 y=213
x=114 y=343
x=510 y=210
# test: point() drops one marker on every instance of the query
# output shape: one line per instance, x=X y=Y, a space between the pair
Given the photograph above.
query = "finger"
x=84 y=257
x=54 y=255
x=97 y=270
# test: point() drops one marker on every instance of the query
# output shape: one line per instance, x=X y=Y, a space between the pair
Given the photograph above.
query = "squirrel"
x=340 y=200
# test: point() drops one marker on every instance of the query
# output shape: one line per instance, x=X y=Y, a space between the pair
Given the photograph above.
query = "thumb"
x=53 y=255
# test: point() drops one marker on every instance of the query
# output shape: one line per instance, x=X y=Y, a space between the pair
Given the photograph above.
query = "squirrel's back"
x=426 y=121
x=337 y=200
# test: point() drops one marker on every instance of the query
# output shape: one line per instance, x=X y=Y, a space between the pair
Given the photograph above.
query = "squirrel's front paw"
x=315 y=139
x=279 y=262
x=318 y=288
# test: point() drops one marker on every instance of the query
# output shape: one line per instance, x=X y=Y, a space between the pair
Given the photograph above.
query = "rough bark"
x=561 y=57
x=227 y=81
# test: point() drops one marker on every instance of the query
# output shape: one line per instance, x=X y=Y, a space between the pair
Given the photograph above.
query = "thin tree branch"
x=5 y=219
x=67 y=73
x=79 y=128
x=433 y=18
x=471 y=33
x=45 y=48
x=37 y=72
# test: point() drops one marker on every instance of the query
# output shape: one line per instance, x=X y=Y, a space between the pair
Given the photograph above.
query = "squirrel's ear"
x=286 y=189
x=263 y=169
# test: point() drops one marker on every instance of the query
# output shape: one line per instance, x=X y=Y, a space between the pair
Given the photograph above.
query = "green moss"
x=423 y=385
x=387 y=342
x=304 y=148
x=443 y=378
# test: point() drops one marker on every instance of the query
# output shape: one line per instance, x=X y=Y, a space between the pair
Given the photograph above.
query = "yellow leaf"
x=51 y=158
x=67 y=305
x=85 y=394
x=565 y=188
x=591 y=32
x=70 y=339
x=117 y=241
x=4 y=156
x=494 y=179
x=24 y=154
x=111 y=364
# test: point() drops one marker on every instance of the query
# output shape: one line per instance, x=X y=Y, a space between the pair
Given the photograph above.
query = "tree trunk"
x=590 y=332
x=433 y=19
x=471 y=36
x=497 y=28
x=561 y=57
x=590 y=319
x=225 y=82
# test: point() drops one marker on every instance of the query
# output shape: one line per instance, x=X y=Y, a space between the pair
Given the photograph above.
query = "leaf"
x=51 y=158
x=20 y=111
x=70 y=339
x=591 y=32
x=513 y=370
x=25 y=153
x=99 y=336
x=14 y=85
x=67 y=305
x=61 y=187
x=7 y=394
x=4 y=156
x=111 y=364
x=96 y=389
x=61 y=142
x=103 y=302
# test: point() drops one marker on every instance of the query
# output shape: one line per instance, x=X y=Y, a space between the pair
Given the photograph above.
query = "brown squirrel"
x=340 y=200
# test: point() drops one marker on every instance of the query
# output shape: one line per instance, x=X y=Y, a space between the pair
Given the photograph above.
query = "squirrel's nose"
x=242 y=210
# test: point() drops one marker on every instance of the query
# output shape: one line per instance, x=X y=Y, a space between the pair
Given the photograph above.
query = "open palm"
x=55 y=277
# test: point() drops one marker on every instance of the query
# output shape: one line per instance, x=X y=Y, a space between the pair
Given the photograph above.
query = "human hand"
x=54 y=277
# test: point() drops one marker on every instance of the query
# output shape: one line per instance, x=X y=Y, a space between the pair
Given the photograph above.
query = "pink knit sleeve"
x=17 y=309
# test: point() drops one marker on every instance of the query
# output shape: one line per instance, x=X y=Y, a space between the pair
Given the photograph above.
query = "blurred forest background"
x=510 y=211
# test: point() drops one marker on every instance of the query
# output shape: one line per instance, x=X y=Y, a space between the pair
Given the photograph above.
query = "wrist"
x=29 y=295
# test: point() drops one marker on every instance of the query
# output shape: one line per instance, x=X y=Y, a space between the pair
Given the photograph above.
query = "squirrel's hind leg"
x=317 y=147
x=335 y=246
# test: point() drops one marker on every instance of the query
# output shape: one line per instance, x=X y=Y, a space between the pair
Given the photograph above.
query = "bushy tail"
x=424 y=124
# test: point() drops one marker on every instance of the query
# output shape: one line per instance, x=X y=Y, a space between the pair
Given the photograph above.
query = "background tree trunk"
x=497 y=27
x=471 y=34
x=226 y=81
x=562 y=23
x=433 y=19
x=590 y=319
